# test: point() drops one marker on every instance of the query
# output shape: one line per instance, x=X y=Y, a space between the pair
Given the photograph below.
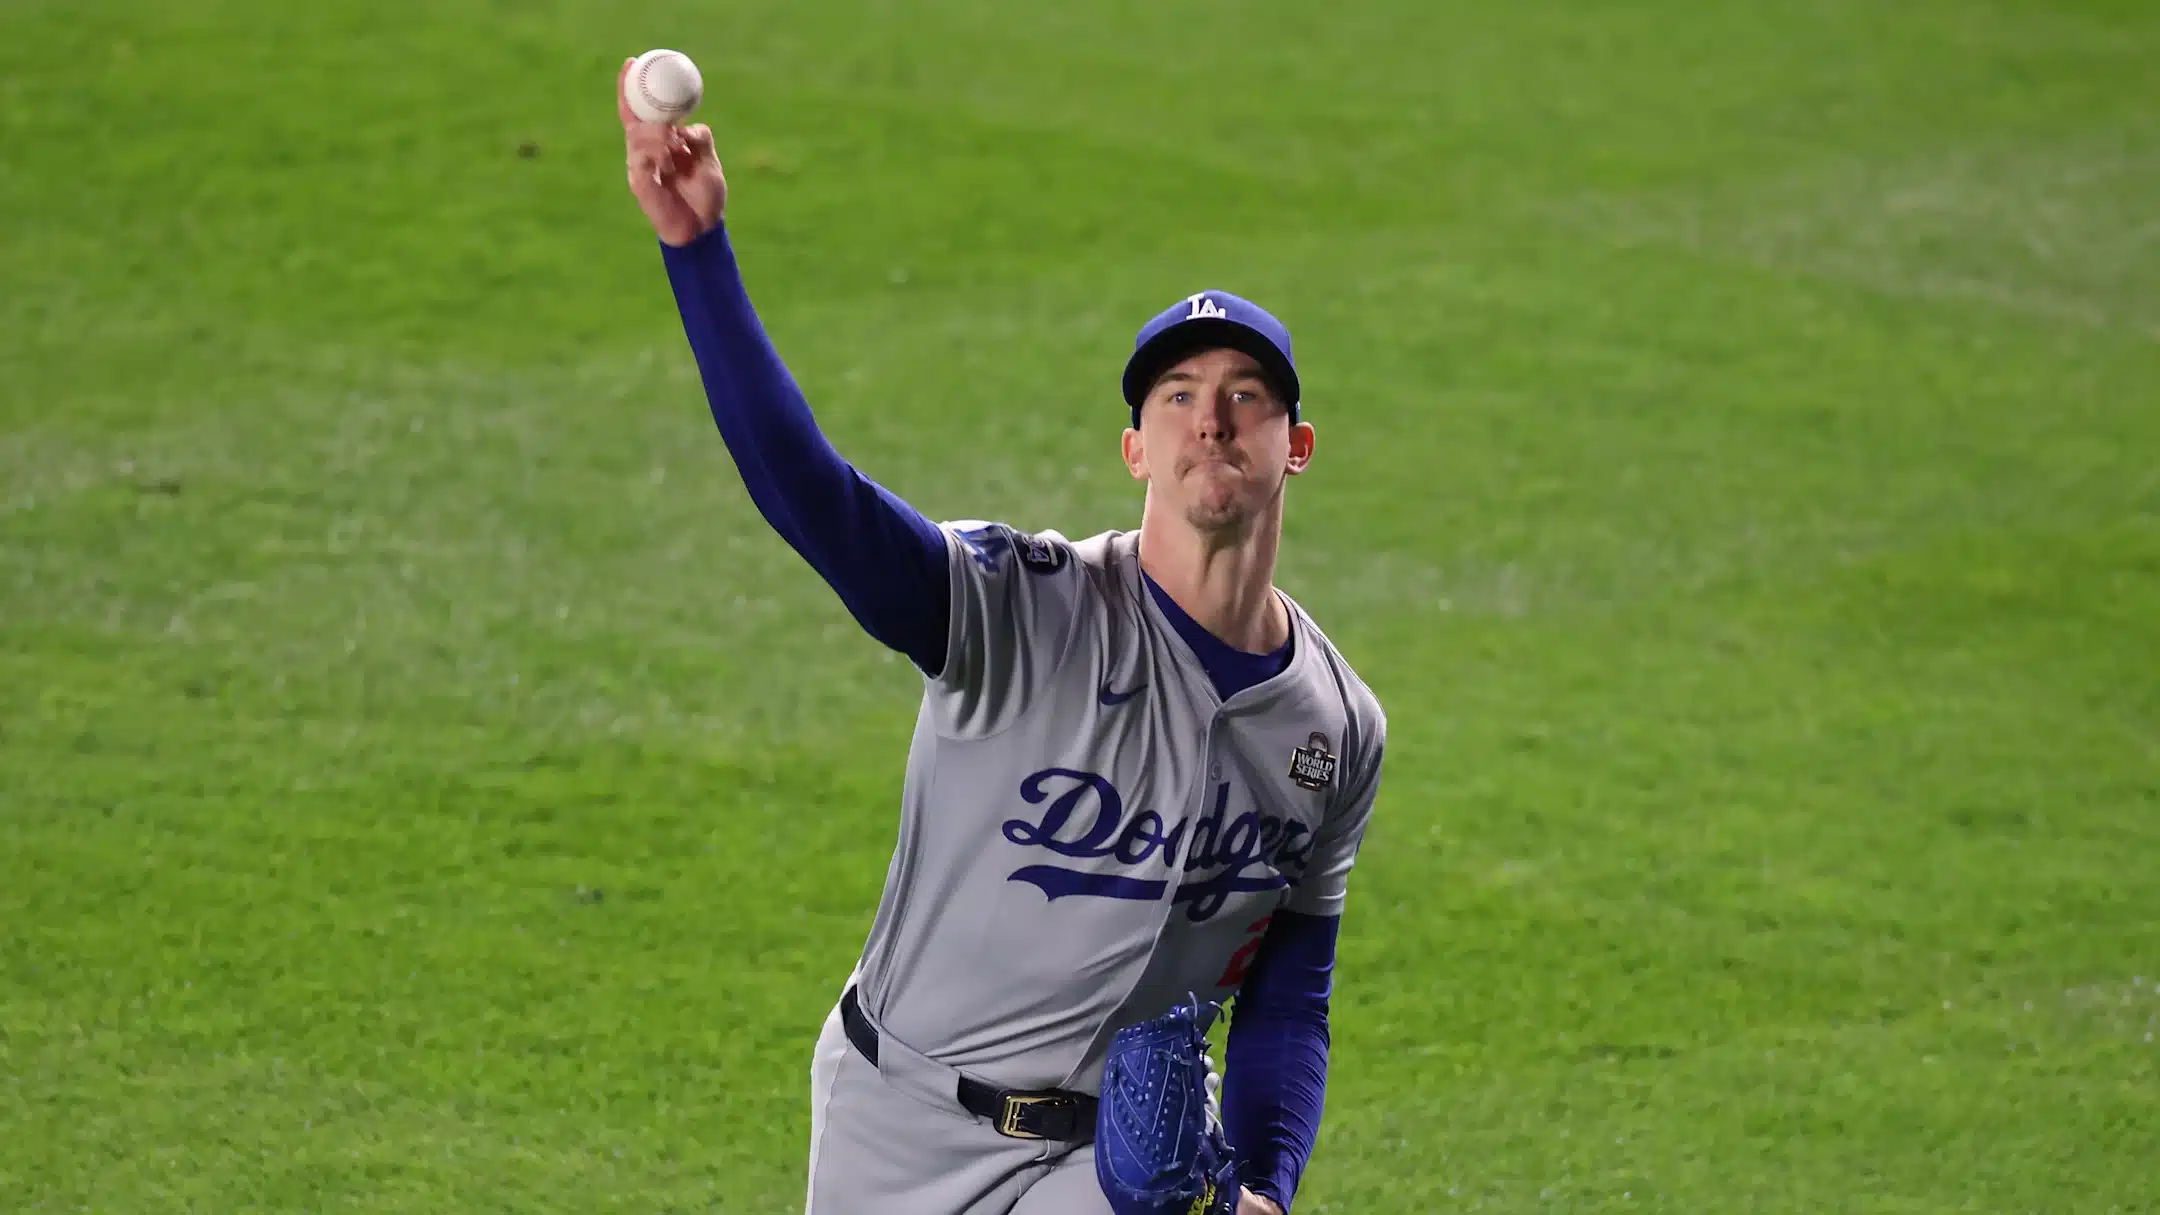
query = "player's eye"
x=1180 y=398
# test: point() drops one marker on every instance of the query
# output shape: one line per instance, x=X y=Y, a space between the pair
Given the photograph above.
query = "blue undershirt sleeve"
x=886 y=560
x=1276 y=1061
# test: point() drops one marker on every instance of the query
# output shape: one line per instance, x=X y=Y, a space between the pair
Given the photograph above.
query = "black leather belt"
x=1048 y=1113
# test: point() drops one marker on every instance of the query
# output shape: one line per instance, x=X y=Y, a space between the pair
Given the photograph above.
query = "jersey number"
x=1241 y=962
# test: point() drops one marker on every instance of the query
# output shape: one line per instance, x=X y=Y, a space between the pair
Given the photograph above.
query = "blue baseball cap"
x=1210 y=320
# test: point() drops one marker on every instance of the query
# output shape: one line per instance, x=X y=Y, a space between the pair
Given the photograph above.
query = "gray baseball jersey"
x=1088 y=831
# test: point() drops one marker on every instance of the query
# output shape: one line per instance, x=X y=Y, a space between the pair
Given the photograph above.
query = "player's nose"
x=1215 y=418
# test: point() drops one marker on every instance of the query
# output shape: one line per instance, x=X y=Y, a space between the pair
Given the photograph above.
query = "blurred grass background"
x=425 y=784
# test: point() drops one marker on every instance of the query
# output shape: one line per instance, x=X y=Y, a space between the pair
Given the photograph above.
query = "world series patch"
x=1312 y=766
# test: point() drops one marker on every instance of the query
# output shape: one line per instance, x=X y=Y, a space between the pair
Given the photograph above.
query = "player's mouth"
x=1214 y=459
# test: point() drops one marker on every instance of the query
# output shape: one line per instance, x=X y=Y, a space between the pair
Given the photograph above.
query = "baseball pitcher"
x=1138 y=781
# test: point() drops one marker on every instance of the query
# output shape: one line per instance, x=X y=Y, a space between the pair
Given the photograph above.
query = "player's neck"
x=1226 y=583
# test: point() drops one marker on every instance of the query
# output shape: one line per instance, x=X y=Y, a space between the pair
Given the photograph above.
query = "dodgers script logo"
x=1083 y=817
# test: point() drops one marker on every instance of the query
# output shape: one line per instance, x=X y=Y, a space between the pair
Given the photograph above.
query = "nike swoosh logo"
x=1114 y=699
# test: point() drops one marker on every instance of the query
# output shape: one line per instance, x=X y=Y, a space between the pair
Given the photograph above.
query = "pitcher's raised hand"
x=673 y=171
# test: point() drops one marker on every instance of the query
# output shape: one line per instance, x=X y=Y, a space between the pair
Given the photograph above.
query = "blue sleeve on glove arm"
x=1275 y=1066
x=886 y=561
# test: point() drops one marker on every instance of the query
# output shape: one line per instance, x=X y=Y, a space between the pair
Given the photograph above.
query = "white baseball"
x=664 y=86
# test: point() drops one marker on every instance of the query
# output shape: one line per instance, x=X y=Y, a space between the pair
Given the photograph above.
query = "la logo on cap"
x=1202 y=307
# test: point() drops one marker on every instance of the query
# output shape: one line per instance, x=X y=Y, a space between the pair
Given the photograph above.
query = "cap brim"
x=1181 y=341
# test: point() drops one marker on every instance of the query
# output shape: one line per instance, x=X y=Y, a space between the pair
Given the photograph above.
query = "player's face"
x=1215 y=441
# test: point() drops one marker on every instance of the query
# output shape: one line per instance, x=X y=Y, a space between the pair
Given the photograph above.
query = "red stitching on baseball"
x=651 y=100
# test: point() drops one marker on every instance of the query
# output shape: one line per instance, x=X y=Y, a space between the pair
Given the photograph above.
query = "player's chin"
x=1215 y=513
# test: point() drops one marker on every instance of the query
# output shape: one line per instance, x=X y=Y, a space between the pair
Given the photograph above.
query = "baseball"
x=664 y=86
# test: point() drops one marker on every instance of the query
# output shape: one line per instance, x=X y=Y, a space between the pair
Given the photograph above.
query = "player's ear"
x=1135 y=454
x=1301 y=446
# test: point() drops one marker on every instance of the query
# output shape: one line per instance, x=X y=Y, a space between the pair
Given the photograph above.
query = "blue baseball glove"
x=1157 y=1150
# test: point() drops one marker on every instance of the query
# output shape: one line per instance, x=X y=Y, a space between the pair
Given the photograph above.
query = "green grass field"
x=426 y=785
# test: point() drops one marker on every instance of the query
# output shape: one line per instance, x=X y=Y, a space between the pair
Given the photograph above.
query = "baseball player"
x=1138 y=780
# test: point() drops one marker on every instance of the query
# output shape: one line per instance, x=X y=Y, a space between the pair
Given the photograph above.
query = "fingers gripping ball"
x=1157 y=1149
x=664 y=86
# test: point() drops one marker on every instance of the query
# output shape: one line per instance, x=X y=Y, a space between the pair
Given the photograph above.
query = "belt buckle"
x=1016 y=1105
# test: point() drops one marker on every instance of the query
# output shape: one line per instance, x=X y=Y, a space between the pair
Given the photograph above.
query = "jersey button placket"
x=1205 y=776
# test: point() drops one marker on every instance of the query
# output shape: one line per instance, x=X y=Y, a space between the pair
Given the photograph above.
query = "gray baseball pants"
x=877 y=1149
